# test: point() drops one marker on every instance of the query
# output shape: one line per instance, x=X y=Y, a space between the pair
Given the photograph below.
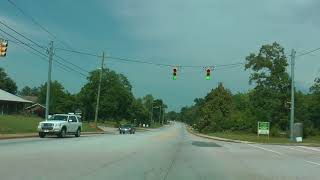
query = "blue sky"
x=180 y=32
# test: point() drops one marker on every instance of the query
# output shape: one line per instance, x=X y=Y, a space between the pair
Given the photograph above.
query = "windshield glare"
x=58 y=118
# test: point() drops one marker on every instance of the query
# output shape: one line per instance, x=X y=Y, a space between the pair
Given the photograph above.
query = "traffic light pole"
x=99 y=89
x=50 y=52
x=293 y=53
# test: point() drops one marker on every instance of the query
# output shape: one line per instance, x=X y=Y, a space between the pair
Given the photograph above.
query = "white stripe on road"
x=279 y=153
x=309 y=148
x=296 y=149
x=313 y=163
x=276 y=152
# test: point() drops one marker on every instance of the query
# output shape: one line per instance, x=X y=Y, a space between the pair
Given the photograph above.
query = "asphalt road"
x=169 y=153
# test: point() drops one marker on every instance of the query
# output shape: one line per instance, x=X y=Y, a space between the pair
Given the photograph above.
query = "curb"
x=248 y=142
x=217 y=138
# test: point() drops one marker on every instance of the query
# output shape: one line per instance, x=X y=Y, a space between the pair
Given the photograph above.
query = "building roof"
x=5 y=96
x=34 y=105
x=30 y=98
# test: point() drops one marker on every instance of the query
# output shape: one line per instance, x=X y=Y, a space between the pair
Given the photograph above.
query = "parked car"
x=60 y=125
x=127 y=129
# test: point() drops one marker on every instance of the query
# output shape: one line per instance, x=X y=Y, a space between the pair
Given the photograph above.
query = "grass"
x=14 y=124
x=88 y=127
x=156 y=125
x=262 y=139
x=108 y=123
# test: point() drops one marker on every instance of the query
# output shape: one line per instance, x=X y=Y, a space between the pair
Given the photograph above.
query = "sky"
x=177 y=32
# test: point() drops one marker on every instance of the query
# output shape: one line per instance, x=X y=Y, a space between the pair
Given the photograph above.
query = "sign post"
x=264 y=128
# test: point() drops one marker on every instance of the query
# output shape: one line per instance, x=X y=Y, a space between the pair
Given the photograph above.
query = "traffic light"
x=174 y=74
x=3 y=48
x=208 y=77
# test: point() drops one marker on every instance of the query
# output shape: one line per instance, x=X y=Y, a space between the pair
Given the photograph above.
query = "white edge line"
x=296 y=149
x=279 y=153
x=313 y=163
x=309 y=148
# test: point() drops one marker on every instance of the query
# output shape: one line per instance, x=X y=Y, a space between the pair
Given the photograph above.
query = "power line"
x=17 y=42
x=70 y=68
x=37 y=23
x=308 y=52
x=38 y=46
x=72 y=64
x=78 y=52
x=21 y=34
x=22 y=42
x=147 y=62
x=41 y=56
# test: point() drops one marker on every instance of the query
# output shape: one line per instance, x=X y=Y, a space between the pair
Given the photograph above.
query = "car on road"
x=127 y=129
x=61 y=125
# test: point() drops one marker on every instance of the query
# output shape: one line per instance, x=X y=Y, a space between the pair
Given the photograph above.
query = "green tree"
x=148 y=103
x=61 y=101
x=139 y=112
x=314 y=104
x=116 y=97
x=6 y=83
x=27 y=91
x=172 y=116
x=216 y=110
x=272 y=90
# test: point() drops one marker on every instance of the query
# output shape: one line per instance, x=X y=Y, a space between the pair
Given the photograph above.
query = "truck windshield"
x=58 y=118
x=126 y=126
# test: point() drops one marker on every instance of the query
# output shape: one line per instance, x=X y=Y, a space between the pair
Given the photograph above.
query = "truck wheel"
x=78 y=133
x=42 y=135
x=62 y=134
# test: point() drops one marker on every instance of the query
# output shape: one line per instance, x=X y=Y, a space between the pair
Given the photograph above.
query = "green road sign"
x=263 y=128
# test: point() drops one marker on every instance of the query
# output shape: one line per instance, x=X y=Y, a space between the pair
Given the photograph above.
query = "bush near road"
x=14 y=124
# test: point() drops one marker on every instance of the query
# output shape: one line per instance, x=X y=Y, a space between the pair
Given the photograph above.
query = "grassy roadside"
x=15 y=124
x=314 y=140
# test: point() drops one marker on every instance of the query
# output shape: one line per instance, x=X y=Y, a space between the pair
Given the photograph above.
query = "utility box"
x=298 y=130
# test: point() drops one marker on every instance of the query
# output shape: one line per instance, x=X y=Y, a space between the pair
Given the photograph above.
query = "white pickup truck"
x=61 y=125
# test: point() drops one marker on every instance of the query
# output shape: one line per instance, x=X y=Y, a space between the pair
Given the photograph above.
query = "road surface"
x=168 y=153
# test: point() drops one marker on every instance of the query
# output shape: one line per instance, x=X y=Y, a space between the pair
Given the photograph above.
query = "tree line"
x=269 y=100
x=117 y=101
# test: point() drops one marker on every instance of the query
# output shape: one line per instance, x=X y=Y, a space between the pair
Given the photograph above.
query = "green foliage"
x=272 y=90
x=268 y=101
x=116 y=97
x=10 y=124
x=61 y=101
x=172 y=115
x=139 y=112
x=27 y=91
x=14 y=124
x=6 y=83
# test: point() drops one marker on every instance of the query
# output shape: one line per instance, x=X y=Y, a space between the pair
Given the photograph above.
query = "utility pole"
x=99 y=89
x=293 y=54
x=160 y=114
x=163 y=114
x=151 y=119
x=50 y=52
